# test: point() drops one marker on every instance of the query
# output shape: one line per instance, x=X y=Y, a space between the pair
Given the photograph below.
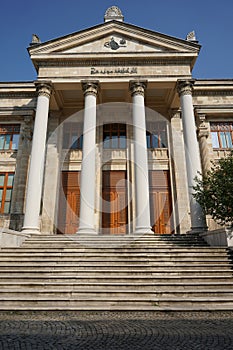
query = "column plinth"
x=192 y=153
x=36 y=168
x=137 y=89
x=88 y=171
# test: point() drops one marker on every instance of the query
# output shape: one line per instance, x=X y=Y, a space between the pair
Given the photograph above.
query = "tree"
x=214 y=191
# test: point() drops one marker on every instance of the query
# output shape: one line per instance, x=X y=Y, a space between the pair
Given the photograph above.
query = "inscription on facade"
x=110 y=71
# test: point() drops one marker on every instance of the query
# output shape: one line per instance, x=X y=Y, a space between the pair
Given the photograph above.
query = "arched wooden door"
x=69 y=203
x=115 y=207
x=160 y=201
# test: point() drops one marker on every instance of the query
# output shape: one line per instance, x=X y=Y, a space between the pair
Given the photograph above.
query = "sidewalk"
x=116 y=330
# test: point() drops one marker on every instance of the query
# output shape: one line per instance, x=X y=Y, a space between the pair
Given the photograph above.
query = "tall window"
x=6 y=187
x=72 y=136
x=114 y=135
x=156 y=135
x=222 y=135
x=9 y=136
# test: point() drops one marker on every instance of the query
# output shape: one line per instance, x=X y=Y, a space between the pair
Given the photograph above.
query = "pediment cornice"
x=148 y=38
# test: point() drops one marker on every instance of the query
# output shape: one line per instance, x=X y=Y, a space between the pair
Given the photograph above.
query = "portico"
x=106 y=101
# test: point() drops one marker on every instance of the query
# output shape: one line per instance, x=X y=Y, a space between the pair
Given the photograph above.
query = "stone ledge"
x=11 y=238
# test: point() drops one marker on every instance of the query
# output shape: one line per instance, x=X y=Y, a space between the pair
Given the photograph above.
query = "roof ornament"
x=35 y=40
x=113 y=13
x=191 y=37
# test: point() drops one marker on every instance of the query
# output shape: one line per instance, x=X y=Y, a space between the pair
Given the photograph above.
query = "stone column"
x=36 y=169
x=203 y=134
x=137 y=89
x=88 y=170
x=18 y=196
x=192 y=153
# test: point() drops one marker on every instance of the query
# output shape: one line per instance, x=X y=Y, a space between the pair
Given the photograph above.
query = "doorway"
x=115 y=204
x=160 y=201
x=69 y=203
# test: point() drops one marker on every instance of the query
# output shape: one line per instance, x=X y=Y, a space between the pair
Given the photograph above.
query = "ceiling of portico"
x=158 y=96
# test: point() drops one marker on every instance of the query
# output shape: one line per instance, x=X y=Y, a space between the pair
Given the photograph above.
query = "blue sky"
x=211 y=20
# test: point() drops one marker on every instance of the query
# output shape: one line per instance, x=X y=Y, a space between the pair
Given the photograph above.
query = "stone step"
x=80 y=294
x=119 y=250
x=133 y=285
x=75 y=246
x=153 y=272
x=117 y=279
x=117 y=237
x=55 y=266
x=103 y=258
x=114 y=272
x=105 y=253
x=114 y=303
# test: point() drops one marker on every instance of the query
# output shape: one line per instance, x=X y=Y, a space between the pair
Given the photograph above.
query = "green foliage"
x=214 y=192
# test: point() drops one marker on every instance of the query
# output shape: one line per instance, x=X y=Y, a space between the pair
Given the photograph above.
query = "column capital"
x=185 y=87
x=90 y=87
x=44 y=88
x=137 y=87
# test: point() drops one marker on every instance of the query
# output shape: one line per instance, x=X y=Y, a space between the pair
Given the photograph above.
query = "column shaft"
x=140 y=158
x=192 y=153
x=88 y=171
x=36 y=169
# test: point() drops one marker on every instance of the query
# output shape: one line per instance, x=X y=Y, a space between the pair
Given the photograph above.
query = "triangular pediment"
x=114 y=37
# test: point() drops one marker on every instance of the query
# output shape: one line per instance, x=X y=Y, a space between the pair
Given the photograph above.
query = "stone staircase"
x=151 y=272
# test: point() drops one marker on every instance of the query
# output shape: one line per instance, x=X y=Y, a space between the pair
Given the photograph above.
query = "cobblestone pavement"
x=116 y=330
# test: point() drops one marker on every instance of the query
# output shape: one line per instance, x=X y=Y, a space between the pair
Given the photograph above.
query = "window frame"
x=4 y=188
x=116 y=133
x=9 y=130
x=72 y=129
x=221 y=133
x=158 y=128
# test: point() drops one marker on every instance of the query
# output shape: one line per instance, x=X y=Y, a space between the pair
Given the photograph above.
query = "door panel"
x=69 y=205
x=114 y=208
x=160 y=201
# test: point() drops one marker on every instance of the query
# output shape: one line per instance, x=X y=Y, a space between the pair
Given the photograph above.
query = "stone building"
x=110 y=136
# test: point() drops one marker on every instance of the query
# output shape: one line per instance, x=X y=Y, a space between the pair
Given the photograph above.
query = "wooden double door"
x=160 y=201
x=114 y=214
x=69 y=202
x=114 y=202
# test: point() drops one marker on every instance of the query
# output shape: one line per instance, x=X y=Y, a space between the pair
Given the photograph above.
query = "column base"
x=86 y=231
x=143 y=230
x=198 y=230
x=31 y=230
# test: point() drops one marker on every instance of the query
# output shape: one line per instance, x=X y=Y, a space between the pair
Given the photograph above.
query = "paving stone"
x=116 y=330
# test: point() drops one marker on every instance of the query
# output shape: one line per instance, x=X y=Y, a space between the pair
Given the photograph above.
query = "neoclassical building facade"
x=109 y=138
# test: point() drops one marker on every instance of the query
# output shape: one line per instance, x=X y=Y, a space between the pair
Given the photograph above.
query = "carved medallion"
x=114 y=45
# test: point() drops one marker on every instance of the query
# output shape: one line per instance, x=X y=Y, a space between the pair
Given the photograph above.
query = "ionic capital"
x=44 y=88
x=137 y=87
x=185 y=87
x=90 y=88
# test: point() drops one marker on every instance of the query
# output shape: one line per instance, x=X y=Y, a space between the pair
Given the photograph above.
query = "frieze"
x=212 y=93
x=109 y=71
x=9 y=94
x=106 y=63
